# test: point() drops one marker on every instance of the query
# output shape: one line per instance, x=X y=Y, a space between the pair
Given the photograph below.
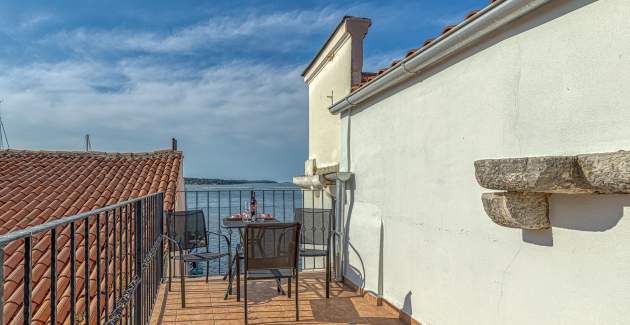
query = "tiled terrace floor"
x=205 y=305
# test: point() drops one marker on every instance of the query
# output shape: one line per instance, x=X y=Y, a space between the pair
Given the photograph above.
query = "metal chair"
x=316 y=236
x=187 y=231
x=271 y=252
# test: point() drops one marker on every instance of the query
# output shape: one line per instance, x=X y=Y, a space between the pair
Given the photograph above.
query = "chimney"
x=336 y=67
x=348 y=34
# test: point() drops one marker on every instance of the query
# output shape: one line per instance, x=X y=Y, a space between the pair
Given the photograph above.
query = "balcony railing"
x=119 y=250
x=281 y=202
x=103 y=266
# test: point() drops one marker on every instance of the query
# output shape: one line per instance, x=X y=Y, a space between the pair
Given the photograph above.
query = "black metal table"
x=240 y=224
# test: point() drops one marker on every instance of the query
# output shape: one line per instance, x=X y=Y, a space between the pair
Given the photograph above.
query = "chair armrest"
x=227 y=239
x=171 y=240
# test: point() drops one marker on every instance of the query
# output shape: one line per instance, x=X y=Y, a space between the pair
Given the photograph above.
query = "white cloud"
x=451 y=19
x=137 y=106
x=33 y=21
x=202 y=35
x=223 y=115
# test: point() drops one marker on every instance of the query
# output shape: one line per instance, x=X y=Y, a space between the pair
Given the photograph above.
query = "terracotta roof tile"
x=447 y=29
x=41 y=186
x=471 y=13
x=371 y=76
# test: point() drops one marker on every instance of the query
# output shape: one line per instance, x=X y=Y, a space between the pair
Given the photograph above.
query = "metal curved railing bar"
x=142 y=265
x=117 y=314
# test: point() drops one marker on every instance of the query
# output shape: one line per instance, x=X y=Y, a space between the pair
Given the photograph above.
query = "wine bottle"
x=252 y=204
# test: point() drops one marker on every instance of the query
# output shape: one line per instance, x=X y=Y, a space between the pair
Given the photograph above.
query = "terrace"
x=128 y=276
x=205 y=305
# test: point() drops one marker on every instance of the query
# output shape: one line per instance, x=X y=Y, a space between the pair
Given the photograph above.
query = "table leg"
x=279 y=284
x=230 y=276
x=238 y=277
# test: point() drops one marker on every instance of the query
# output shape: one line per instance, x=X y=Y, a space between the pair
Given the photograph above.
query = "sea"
x=218 y=201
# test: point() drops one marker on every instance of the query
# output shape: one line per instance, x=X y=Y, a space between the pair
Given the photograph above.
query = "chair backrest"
x=316 y=225
x=271 y=246
x=188 y=228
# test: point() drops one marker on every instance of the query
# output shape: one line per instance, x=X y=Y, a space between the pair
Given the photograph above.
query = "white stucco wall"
x=334 y=79
x=554 y=83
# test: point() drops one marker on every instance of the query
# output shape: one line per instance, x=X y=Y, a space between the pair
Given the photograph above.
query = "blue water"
x=219 y=201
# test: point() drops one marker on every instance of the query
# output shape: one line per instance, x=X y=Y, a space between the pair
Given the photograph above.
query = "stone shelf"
x=529 y=180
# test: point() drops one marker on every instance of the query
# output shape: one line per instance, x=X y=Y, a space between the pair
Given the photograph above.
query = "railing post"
x=53 y=276
x=28 y=268
x=2 y=284
x=86 y=268
x=138 y=258
x=73 y=274
x=160 y=208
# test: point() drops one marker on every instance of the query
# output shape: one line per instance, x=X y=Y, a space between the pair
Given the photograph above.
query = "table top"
x=240 y=223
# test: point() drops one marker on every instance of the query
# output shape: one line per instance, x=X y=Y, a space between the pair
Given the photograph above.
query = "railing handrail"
x=226 y=188
x=33 y=230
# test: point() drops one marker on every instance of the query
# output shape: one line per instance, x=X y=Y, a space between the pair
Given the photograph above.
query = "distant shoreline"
x=219 y=181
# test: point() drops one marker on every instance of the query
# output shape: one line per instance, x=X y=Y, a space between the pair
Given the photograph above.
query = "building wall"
x=553 y=83
x=333 y=80
x=329 y=77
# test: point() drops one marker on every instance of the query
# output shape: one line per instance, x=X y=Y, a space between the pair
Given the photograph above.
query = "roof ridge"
x=104 y=154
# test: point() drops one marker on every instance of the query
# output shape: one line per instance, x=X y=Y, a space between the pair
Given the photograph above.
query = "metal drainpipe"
x=338 y=236
x=340 y=179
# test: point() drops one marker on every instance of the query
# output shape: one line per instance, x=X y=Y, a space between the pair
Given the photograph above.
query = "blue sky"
x=223 y=77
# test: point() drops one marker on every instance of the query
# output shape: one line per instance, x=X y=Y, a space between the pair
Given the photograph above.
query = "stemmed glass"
x=245 y=211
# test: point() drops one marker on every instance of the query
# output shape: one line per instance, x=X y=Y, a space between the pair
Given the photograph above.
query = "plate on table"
x=236 y=217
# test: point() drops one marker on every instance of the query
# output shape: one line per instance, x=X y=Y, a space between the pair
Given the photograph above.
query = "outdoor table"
x=240 y=223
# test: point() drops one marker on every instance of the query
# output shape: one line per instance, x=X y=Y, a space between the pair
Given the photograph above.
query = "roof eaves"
x=446 y=31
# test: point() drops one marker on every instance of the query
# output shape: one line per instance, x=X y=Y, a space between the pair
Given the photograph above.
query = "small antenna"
x=3 y=132
x=88 y=145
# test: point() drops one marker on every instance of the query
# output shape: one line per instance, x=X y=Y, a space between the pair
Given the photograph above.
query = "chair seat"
x=313 y=252
x=270 y=274
x=198 y=257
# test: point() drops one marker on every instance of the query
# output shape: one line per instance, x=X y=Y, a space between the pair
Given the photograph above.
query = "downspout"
x=341 y=179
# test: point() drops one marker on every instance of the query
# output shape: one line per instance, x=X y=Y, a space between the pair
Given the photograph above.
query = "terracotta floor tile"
x=205 y=305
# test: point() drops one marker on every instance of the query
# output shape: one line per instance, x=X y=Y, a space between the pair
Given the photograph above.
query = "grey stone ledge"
x=606 y=173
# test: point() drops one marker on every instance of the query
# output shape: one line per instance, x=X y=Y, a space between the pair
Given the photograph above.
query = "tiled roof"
x=369 y=76
x=40 y=186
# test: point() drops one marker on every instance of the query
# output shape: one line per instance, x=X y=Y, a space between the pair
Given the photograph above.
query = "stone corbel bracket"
x=517 y=209
x=529 y=181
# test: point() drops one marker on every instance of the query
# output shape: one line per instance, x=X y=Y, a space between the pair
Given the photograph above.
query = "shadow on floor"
x=205 y=305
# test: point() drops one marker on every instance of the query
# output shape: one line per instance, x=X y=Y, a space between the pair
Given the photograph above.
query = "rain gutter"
x=461 y=36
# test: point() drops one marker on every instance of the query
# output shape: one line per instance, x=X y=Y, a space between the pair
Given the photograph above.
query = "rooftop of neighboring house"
x=41 y=186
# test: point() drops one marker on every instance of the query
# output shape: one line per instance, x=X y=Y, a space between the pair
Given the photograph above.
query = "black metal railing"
x=98 y=267
x=220 y=202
